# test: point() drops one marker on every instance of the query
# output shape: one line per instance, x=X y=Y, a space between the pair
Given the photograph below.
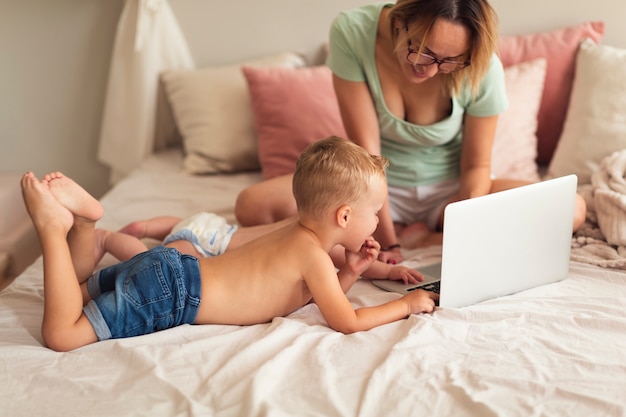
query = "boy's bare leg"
x=64 y=326
x=86 y=210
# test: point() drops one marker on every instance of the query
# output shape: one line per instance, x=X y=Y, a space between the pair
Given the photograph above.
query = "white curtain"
x=148 y=40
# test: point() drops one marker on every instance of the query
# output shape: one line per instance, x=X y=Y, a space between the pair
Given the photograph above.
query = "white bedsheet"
x=557 y=350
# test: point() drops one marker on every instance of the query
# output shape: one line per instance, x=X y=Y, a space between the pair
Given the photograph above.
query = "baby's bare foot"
x=43 y=208
x=73 y=197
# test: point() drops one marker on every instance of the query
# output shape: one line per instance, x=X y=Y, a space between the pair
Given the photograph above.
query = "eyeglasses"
x=443 y=65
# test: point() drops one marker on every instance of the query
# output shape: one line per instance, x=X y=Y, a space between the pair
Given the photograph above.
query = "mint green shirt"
x=418 y=154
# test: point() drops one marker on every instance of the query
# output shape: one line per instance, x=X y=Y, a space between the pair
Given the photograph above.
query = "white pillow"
x=213 y=113
x=595 y=125
x=515 y=145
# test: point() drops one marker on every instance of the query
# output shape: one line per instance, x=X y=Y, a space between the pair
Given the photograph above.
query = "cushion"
x=292 y=107
x=595 y=126
x=515 y=144
x=559 y=48
x=212 y=110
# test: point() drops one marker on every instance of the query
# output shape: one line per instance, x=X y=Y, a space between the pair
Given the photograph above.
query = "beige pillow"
x=595 y=125
x=213 y=113
x=559 y=48
x=515 y=146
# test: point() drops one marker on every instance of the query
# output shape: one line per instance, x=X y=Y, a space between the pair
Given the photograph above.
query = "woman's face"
x=447 y=49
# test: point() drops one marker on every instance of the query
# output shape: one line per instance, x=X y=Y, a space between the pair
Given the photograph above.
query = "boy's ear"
x=343 y=215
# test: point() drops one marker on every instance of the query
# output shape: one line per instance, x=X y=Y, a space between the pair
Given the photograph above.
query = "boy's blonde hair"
x=476 y=15
x=333 y=172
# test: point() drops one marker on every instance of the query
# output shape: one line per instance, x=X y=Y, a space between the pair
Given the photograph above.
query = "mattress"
x=556 y=350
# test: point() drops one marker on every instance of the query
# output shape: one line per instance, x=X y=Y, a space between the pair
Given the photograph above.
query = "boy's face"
x=364 y=218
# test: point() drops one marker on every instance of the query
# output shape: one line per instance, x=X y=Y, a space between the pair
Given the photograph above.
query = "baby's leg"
x=64 y=326
x=244 y=235
x=154 y=228
x=120 y=245
x=86 y=210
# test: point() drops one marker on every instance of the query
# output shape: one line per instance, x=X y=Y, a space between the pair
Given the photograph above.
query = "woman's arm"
x=361 y=124
x=358 y=113
x=475 y=169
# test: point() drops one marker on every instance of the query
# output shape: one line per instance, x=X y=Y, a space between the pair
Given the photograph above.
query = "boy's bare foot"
x=43 y=208
x=73 y=197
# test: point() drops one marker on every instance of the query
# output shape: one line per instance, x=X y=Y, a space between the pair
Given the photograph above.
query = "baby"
x=207 y=234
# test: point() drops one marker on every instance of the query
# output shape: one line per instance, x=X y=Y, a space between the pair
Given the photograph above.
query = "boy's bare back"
x=259 y=288
x=285 y=269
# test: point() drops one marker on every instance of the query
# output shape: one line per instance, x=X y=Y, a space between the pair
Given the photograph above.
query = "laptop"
x=500 y=244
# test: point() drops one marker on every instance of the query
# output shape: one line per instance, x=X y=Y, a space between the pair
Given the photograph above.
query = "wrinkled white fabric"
x=556 y=350
x=148 y=40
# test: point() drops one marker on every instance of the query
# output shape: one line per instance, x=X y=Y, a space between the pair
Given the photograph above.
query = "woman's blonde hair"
x=333 y=172
x=476 y=15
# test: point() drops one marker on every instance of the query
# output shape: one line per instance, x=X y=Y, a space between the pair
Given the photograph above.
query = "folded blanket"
x=609 y=195
x=602 y=240
x=589 y=246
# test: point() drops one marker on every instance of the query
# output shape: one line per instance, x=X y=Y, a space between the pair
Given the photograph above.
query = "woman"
x=419 y=82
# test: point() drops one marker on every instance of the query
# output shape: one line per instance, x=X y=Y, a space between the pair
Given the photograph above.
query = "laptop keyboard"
x=433 y=286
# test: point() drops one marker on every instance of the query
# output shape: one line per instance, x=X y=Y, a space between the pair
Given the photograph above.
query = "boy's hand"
x=421 y=301
x=408 y=275
x=359 y=261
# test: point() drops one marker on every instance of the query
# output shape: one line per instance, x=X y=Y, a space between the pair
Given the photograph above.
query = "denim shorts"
x=155 y=290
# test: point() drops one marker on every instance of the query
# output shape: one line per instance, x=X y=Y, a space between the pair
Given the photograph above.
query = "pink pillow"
x=559 y=48
x=292 y=108
x=515 y=145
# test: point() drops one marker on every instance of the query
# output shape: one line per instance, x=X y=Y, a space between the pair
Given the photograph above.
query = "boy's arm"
x=328 y=293
x=341 y=316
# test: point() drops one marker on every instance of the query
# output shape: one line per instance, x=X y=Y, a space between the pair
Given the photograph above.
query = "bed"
x=556 y=350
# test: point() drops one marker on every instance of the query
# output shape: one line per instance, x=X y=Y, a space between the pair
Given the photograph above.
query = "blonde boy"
x=339 y=189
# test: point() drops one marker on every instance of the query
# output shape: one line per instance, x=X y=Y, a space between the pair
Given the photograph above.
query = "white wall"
x=55 y=60
x=55 y=57
x=520 y=17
